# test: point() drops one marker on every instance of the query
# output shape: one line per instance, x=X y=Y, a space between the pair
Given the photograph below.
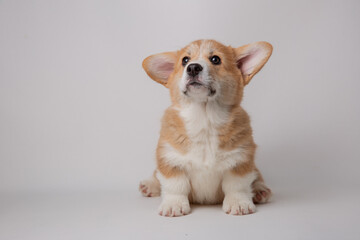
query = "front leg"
x=238 y=193
x=174 y=193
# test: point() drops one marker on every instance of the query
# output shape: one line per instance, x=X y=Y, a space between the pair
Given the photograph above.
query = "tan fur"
x=237 y=130
x=248 y=166
x=174 y=133
x=166 y=170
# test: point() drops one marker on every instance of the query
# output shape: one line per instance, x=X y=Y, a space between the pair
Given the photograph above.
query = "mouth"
x=197 y=86
x=195 y=83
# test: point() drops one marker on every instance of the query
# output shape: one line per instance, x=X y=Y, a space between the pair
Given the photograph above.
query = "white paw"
x=237 y=204
x=149 y=188
x=174 y=206
x=261 y=192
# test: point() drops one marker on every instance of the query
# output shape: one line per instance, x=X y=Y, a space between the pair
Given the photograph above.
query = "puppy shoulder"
x=237 y=131
x=173 y=130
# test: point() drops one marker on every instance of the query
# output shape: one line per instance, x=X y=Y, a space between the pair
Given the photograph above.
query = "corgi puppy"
x=205 y=153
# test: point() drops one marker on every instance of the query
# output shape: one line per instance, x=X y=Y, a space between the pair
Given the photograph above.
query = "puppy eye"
x=185 y=60
x=215 y=60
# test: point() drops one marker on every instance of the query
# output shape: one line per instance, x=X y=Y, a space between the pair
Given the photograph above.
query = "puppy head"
x=206 y=70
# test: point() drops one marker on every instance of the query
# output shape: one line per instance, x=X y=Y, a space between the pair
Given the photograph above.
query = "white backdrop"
x=78 y=113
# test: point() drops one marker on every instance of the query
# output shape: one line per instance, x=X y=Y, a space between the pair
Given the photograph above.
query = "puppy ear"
x=160 y=66
x=251 y=58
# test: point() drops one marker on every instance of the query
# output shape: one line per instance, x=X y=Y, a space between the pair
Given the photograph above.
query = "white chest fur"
x=204 y=163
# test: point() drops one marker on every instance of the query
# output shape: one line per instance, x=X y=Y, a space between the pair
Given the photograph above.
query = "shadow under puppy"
x=205 y=153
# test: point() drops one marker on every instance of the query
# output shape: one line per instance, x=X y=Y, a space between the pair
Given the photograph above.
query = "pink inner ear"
x=163 y=68
x=241 y=63
x=248 y=61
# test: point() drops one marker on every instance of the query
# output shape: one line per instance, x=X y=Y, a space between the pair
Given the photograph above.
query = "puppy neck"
x=204 y=114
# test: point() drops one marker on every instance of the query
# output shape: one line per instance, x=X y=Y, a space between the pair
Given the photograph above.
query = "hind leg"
x=261 y=192
x=150 y=187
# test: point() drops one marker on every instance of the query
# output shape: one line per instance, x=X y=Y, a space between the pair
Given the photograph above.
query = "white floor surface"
x=292 y=214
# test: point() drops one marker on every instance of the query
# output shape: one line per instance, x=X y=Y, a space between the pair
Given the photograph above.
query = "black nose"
x=194 y=69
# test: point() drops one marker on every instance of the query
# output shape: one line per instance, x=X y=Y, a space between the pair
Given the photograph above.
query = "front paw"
x=237 y=204
x=174 y=206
